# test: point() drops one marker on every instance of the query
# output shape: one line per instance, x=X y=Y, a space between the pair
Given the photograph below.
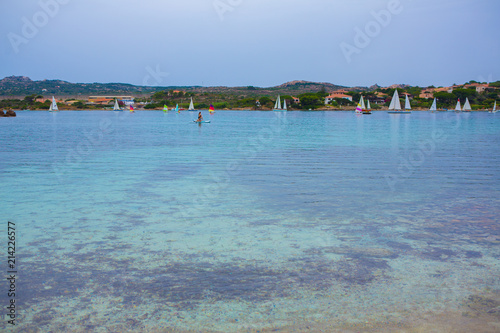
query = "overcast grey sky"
x=252 y=42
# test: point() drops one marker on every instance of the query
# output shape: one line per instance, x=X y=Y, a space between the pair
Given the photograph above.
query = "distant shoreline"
x=296 y=95
x=236 y=109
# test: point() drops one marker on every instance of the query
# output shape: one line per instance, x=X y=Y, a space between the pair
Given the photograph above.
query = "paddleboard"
x=205 y=121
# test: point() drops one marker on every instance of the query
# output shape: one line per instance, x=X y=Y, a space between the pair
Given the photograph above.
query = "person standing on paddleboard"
x=200 y=117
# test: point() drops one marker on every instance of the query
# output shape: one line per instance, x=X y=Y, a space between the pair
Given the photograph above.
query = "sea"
x=258 y=221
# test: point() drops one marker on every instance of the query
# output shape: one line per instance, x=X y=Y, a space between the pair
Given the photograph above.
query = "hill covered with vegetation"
x=24 y=86
x=299 y=95
x=20 y=86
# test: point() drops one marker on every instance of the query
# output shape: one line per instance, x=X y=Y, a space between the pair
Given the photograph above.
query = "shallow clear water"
x=258 y=220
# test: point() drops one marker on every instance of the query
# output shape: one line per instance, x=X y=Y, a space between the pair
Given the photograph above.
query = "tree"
x=414 y=91
x=445 y=97
x=356 y=96
x=246 y=102
x=465 y=93
x=220 y=105
x=310 y=101
x=369 y=94
x=265 y=100
x=344 y=101
x=322 y=93
x=201 y=106
x=492 y=95
x=160 y=95
x=79 y=105
x=30 y=99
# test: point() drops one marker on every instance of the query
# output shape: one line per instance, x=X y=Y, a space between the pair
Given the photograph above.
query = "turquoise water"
x=256 y=221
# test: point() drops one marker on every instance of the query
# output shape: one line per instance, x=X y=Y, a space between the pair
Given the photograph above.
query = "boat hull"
x=398 y=111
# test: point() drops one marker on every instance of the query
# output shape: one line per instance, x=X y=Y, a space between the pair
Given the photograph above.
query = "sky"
x=261 y=43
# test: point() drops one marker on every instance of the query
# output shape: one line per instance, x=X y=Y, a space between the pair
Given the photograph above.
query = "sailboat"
x=407 y=104
x=458 y=108
x=211 y=109
x=395 y=106
x=494 y=108
x=53 y=106
x=361 y=106
x=277 y=105
x=177 y=108
x=368 y=109
x=191 y=105
x=131 y=109
x=433 y=106
x=117 y=106
x=165 y=108
x=467 y=105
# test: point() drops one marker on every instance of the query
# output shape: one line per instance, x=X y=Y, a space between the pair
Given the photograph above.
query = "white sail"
x=53 y=105
x=458 y=107
x=407 y=103
x=395 y=103
x=494 y=108
x=433 y=106
x=368 y=107
x=467 y=105
x=359 y=109
x=277 y=105
x=284 y=104
x=362 y=102
x=117 y=106
x=191 y=105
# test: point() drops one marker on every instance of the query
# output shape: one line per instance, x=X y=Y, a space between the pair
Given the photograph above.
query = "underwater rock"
x=481 y=305
x=362 y=252
x=438 y=254
x=473 y=254
x=423 y=236
x=398 y=246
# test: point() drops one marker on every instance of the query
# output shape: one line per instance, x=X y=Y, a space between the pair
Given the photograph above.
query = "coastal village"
x=298 y=95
